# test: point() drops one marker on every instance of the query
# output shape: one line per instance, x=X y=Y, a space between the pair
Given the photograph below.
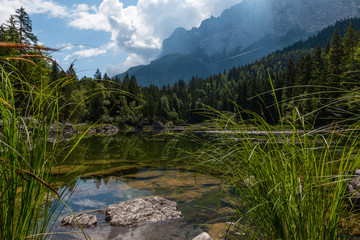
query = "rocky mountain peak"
x=251 y=20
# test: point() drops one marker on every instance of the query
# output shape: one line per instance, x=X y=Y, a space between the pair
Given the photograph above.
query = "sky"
x=112 y=35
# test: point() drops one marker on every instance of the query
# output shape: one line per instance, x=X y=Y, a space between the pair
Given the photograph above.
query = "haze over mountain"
x=242 y=34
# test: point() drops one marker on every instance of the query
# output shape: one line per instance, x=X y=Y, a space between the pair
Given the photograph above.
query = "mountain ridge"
x=251 y=20
x=234 y=38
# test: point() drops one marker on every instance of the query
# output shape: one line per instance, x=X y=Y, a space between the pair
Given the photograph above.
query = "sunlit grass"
x=27 y=198
x=289 y=183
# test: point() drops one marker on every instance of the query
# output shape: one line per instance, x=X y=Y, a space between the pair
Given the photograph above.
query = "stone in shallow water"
x=203 y=236
x=140 y=211
x=177 y=229
x=85 y=220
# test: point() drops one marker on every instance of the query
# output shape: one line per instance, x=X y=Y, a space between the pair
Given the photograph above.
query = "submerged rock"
x=140 y=211
x=85 y=220
x=203 y=236
x=177 y=229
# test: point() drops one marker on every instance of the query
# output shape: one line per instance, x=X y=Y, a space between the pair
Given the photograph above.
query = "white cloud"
x=6 y=10
x=89 y=52
x=132 y=60
x=146 y=25
x=42 y=6
x=89 y=203
x=140 y=30
x=135 y=30
x=32 y=7
x=86 y=17
x=82 y=7
x=85 y=52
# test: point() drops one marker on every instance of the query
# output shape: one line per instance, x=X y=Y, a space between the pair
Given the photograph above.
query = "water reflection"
x=109 y=170
x=91 y=194
x=124 y=153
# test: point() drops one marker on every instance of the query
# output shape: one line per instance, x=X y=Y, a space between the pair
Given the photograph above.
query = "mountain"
x=242 y=34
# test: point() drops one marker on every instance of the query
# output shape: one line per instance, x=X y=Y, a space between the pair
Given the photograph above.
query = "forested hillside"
x=319 y=70
x=304 y=71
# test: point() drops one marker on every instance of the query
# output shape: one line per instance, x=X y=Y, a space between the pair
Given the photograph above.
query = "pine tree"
x=2 y=33
x=350 y=39
x=125 y=83
x=289 y=77
x=304 y=73
x=335 y=58
x=289 y=80
x=97 y=75
x=242 y=97
x=10 y=26
x=350 y=42
x=106 y=77
x=54 y=72
x=133 y=86
x=164 y=106
x=318 y=80
x=318 y=74
x=3 y=38
x=24 y=27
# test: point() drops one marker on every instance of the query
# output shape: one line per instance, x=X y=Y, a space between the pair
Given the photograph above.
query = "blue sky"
x=111 y=35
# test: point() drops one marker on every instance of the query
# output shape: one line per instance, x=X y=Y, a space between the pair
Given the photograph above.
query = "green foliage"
x=31 y=90
x=27 y=199
x=97 y=75
x=286 y=184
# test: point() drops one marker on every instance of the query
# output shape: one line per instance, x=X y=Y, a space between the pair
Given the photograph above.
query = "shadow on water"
x=109 y=169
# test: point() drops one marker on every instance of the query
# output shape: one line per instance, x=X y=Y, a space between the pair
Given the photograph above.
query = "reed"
x=288 y=183
x=28 y=111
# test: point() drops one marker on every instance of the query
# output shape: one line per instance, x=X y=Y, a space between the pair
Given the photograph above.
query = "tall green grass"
x=27 y=111
x=288 y=183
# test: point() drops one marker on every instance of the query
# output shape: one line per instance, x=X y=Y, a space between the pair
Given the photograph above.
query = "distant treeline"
x=306 y=78
x=308 y=75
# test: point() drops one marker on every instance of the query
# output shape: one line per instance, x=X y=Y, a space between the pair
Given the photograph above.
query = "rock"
x=106 y=129
x=203 y=236
x=140 y=211
x=110 y=129
x=353 y=187
x=158 y=126
x=66 y=130
x=85 y=220
x=177 y=229
x=238 y=27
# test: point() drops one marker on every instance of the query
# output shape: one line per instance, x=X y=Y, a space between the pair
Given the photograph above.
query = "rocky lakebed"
x=140 y=218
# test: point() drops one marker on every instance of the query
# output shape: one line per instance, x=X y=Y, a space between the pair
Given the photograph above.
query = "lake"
x=109 y=169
